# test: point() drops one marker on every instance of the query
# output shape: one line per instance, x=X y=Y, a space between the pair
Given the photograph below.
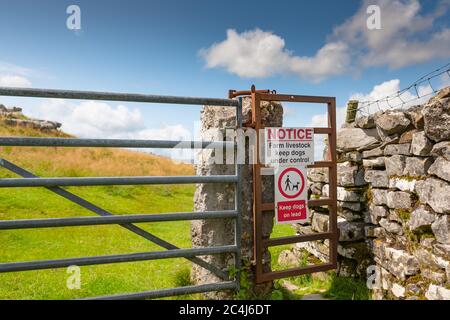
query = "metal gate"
x=126 y=221
x=261 y=244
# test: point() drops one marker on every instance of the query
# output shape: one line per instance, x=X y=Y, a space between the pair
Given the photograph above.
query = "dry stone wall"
x=393 y=201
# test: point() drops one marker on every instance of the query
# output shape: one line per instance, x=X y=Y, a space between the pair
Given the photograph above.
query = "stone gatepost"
x=211 y=197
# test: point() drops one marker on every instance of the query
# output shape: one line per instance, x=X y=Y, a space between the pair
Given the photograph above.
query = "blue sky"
x=166 y=47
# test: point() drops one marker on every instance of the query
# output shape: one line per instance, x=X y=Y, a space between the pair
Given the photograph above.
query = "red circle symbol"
x=300 y=190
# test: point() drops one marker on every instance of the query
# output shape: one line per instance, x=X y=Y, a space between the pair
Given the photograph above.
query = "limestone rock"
x=436 y=114
x=318 y=175
x=442 y=250
x=399 y=200
x=353 y=250
x=398 y=290
x=416 y=116
x=395 y=149
x=391 y=122
x=377 y=178
x=288 y=258
x=390 y=226
x=320 y=222
x=398 y=262
x=350 y=139
x=435 y=292
x=316 y=248
x=375 y=213
x=429 y=260
x=395 y=165
x=374 y=163
x=432 y=191
x=350 y=231
x=433 y=275
x=374 y=232
x=442 y=149
x=421 y=218
x=420 y=145
x=354 y=206
x=350 y=215
x=316 y=188
x=440 y=168
x=379 y=196
x=376 y=152
x=402 y=184
x=326 y=191
x=349 y=175
x=365 y=122
x=347 y=195
x=441 y=229
x=417 y=167
x=353 y=156
x=407 y=136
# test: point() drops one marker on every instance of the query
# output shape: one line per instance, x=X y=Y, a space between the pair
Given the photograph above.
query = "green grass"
x=327 y=284
x=342 y=288
x=55 y=243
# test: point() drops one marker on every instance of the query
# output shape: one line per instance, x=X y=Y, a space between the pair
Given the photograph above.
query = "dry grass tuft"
x=73 y=162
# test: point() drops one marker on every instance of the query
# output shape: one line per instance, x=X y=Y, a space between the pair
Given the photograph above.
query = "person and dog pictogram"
x=289 y=186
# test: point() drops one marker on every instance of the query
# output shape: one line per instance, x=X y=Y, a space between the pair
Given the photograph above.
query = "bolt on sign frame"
x=261 y=244
x=127 y=221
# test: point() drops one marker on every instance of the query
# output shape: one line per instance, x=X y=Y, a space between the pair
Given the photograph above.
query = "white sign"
x=291 y=195
x=287 y=147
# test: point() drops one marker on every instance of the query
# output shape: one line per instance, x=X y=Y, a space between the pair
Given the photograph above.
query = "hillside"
x=38 y=244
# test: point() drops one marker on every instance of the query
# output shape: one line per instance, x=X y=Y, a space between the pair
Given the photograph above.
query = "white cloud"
x=407 y=37
x=379 y=91
x=14 y=81
x=390 y=88
x=89 y=118
x=14 y=76
x=257 y=54
x=94 y=119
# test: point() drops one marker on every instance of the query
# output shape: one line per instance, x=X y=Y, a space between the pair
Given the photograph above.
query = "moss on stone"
x=404 y=214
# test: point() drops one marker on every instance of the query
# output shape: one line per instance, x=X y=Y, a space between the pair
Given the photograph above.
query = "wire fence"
x=416 y=92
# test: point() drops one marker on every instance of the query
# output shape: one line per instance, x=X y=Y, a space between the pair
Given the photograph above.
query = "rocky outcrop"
x=14 y=117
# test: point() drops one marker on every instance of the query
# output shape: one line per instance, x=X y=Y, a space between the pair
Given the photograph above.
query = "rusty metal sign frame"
x=261 y=244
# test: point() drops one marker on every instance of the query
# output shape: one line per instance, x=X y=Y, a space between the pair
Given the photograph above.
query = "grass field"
x=55 y=243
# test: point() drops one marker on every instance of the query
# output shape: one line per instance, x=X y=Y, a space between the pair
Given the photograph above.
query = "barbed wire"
x=364 y=106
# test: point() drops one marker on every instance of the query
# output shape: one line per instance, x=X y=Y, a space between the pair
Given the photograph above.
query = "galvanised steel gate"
x=127 y=221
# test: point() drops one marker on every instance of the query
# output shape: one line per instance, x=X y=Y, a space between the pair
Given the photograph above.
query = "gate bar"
x=102 y=212
x=154 y=294
x=118 y=258
x=116 y=143
x=111 y=96
x=108 y=181
x=117 y=219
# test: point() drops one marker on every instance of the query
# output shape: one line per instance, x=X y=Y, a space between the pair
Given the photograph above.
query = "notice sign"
x=288 y=147
x=291 y=194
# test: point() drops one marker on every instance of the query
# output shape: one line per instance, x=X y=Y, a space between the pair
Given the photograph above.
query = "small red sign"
x=291 y=210
x=291 y=195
